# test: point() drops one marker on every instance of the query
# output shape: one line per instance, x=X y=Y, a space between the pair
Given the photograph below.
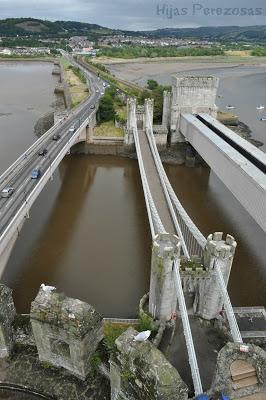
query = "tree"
x=157 y=94
x=152 y=84
x=106 y=111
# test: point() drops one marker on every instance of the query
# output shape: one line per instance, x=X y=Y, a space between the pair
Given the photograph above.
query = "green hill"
x=37 y=27
x=220 y=33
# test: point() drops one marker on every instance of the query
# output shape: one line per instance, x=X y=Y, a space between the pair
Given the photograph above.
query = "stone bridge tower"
x=190 y=94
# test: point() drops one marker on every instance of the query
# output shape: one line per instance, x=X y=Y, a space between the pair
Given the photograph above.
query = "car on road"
x=74 y=127
x=56 y=137
x=102 y=93
x=36 y=173
x=92 y=107
x=42 y=152
x=97 y=91
x=7 y=192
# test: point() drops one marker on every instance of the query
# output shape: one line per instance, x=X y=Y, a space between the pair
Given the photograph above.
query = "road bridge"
x=239 y=164
x=182 y=258
x=73 y=128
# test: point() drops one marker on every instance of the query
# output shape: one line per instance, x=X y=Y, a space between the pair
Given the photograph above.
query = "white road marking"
x=8 y=203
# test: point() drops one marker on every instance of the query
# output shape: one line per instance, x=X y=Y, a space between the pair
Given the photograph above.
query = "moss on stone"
x=160 y=271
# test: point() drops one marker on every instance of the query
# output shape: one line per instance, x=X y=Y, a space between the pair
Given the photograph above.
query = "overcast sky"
x=141 y=14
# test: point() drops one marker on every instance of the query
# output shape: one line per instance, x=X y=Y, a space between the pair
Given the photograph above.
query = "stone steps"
x=243 y=374
x=246 y=382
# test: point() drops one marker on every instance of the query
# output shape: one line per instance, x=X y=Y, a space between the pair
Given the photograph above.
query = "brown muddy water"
x=89 y=234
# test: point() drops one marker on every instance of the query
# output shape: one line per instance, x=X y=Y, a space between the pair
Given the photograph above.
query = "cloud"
x=135 y=14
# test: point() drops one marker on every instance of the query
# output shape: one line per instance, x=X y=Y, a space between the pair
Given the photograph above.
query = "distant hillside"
x=220 y=33
x=37 y=27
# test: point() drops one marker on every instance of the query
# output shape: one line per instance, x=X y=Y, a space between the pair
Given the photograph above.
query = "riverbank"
x=209 y=60
x=245 y=132
x=36 y=59
x=75 y=81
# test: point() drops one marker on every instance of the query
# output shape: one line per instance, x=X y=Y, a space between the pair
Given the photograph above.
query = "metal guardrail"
x=253 y=334
x=121 y=321
x=23 y=210
x=11 y=171
x=249 y=310
x=22 y=161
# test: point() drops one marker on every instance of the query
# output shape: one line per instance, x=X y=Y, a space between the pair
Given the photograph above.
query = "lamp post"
x=26 y=205
x=50 y=167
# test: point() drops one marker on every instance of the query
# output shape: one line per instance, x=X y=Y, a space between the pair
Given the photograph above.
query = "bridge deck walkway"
x=155 y=183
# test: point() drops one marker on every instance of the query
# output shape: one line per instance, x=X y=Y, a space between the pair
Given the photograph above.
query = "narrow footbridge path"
x=167 y=215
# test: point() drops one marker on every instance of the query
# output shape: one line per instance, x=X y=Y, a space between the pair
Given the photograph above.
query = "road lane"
x=19 y=176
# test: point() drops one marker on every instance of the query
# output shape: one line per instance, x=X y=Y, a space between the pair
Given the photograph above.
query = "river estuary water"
x=88 y=234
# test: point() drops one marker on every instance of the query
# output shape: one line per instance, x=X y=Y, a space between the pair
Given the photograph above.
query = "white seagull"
x=142 y=336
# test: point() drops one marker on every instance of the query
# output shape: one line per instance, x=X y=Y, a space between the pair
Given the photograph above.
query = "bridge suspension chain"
x=181 y=300
x=235 y=332
x=197 y=242
x=187 y=333
x=194 y=239
x=149 y=133
x=154 y=218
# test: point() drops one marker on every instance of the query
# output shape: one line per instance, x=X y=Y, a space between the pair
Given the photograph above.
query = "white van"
x=7 y=192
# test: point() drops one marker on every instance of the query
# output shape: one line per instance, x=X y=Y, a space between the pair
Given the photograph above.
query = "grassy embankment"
x=256 y=56
x=108 y=128
x=76 y=82
x=127 y=87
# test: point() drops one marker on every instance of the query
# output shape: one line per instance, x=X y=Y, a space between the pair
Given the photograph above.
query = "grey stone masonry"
x=67 y=331
x=223 y=380
x=167 y=102
x=131 y=111
x=139 y=371
x=192 y=94
x=7 y=316
x=210 y=300
x=148 y=110
x=163 y=293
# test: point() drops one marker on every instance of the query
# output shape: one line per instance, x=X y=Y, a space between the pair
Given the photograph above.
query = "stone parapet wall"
x=7 y=316
x=67 y=331
x=139 y=371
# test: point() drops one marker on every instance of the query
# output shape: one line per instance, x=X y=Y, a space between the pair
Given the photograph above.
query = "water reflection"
x=213 y=208
x=91 y=240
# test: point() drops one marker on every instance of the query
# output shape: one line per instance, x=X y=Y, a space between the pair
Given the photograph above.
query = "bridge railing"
x=192 y=240
x=23 y=211
x=235 y=332
x=154 y=218
x=157 y=227
x=187 y=333
x=22 y=160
